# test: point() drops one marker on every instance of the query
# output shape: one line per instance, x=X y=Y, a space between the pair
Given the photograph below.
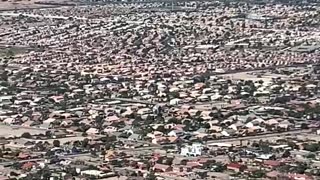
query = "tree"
x=206 y=125
x=174 y=94
x=173 y=120
x=85 y=142
x=258 y=174
x=286 y=154
x=304 y=126
x=161 y=129
x=312 y=147
x=26 y=135
x=4 y=76
x=219 y=167
x=92 y=167
x=293 y=145
x=103 y=153
x=311 y=156
x=136 y=123
x=151 y=176
x=300 y=169
x=56 y=143
x=93 y=153
x=49 y=153
x=45 y=173
x=99 y=120
x=10 y=53
x=303 y=89
x=48 y=134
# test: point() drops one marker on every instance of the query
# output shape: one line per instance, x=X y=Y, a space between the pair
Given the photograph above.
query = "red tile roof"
x=234 y=165
x=272 y=163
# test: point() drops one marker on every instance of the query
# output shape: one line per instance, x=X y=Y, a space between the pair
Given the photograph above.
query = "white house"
x=175 y=101
x=203 y=97
x=193 y=150
x=144 y=111
x=92 y=131
x=172 y=134
x=110 y=129
x=95 y=173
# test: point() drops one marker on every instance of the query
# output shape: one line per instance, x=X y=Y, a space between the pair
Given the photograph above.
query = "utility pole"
x=172 y=5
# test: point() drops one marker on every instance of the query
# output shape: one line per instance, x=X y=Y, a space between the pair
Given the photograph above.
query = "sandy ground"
x=15 y=14
x=23 y=4
x=63 y=140
x=10 y=131
x=267 y=77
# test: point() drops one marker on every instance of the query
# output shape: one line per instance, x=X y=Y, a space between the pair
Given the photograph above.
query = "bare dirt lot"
x=6 y=131
x=25 y=4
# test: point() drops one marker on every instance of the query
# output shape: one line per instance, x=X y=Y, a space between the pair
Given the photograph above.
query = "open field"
x=11 y=131
x=24 y=4
x=12 y=51
x=254 y=76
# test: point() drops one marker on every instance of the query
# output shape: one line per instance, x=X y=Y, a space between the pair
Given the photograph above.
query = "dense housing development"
x=159 y=90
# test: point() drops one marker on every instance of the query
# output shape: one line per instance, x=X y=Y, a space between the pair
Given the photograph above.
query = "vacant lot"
x=254 y=76
x=12 y=51
x=24 y=4
x=6 y=131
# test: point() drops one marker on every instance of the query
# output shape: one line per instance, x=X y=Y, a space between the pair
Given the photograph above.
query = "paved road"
x=27 y=127
x=258 y=137
x=131 y=100
x=42 y=159
x=38 y=16
x=234 y=139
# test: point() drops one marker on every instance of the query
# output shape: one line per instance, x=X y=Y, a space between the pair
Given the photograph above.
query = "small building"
x=236 y=167
x=162 y=168
x=193 y=150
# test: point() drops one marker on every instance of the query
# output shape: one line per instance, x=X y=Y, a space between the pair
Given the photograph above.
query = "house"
x=236 y=126
x=144 y=111
x=176 y=133
x=272 y=122
x=110 y=129
x=163 y=140
x=299 y=177
x=6 y=100
x=161 y=168
x=203 y=98
x=193 y=150
x=201 y=130
x=9 y=121
x=110 y=155
x=175 y=101
x=134 y=137
x=92 y=131
x=59 y=134
x=28 y=123
x=265 y=156
x=45 y=126
x=272 y=164
x=94 y=173
x=285 y=125
x=21 y=143
x=272 y=175
x=112 y=119
x=142 y=166
x=23 y=155
x=28 y=166
x=215 y=128
x=236 y=167
x=228 y=132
